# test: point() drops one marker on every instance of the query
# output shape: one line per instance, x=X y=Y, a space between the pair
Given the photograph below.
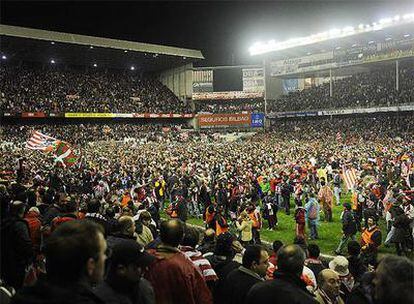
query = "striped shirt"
x=201 y=263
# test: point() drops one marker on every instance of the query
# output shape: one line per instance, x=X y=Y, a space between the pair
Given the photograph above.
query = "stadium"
x=167 y=166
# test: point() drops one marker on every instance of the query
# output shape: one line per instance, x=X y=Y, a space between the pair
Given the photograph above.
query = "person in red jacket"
x=300 y=216
x=32 y=218
x=173 y=276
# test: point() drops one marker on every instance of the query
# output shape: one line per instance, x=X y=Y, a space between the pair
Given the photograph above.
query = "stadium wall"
x=179 y=81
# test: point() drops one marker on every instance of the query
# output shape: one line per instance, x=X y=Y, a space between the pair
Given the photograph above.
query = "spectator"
x=349 y=228
x=17 y=248
x=340 y=265
x=253 y=270
x=75 y=258
x=313 y=261
x=124 y=282
x=356 y=265
x=329 y=287
x=188 y=245
x=174 y=278
x=287 y=285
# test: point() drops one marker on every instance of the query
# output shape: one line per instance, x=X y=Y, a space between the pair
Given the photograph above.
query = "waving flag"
x=350 y=177
x=61 y=150
x=64 y=154
x=42 y=142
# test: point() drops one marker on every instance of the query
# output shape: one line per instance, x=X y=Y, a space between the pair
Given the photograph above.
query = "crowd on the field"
x=25 y=88
x=58 y=225
x=230 y=106
x=370 y=89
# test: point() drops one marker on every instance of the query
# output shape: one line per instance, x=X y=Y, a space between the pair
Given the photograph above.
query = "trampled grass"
x=329 y=233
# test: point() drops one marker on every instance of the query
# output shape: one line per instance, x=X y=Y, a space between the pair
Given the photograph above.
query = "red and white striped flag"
x=350 y=177
x=39 y=141
x=338 y=136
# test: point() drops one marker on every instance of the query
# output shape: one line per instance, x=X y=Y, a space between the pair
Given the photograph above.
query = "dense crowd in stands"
x=25 y=88
x=371 y=89
x=59 y=225
x=230 y=106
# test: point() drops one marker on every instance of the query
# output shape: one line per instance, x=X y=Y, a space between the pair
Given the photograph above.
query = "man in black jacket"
x=16 y=246
x=252 y=271
x=124 y=282
x=75 y=258
x=286 y=287
x=349 y=227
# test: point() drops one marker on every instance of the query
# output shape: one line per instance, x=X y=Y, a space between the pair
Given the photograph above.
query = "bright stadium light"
x=132 y=68
x=384 y=21
x=125 y=51
x=95 y=65
x=91 y=47
x=271 y=46
x=334 y=33
x=408 y=16
x=348 y=30
x=52 y=61
x=4 y=57
x=52 y=42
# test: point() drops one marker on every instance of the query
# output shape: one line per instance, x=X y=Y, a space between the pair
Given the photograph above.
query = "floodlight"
x=95 y=65
x=91 y=47
x=52 y=61
x=125 y=51
x=132 y=68
x=385 y=21
x=348 y=30
x=52 y=42
x=4 y=57
x=408 y=16
x=334 y=32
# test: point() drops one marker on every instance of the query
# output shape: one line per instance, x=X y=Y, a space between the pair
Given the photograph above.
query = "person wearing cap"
x=328 y=288
x=16 y=246
x=349 y=227
x=124 y=282
x=340 y=265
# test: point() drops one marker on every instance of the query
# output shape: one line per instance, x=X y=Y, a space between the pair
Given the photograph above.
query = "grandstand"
x=352 y=70
x=53 y=74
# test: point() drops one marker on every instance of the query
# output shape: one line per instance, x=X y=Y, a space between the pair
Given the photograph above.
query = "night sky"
x=223 y=31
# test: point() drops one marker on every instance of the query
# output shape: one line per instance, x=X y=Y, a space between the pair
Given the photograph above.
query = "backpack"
x=313 y=211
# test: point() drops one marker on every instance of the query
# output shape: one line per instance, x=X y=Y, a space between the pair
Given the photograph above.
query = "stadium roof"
x=327 y=41
x=39 y=45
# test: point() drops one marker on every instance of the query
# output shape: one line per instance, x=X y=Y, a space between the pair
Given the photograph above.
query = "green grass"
x=329 y=233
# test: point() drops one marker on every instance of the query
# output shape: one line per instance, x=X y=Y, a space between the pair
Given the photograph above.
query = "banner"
x=257 y=120
x=227 y=95
x=90 y=115
x=33 y=114
x=218 y=120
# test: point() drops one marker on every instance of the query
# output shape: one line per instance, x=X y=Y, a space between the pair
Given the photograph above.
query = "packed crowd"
x=230 y=106
x=60 y=225
x=371 y=89
x=55 y=90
